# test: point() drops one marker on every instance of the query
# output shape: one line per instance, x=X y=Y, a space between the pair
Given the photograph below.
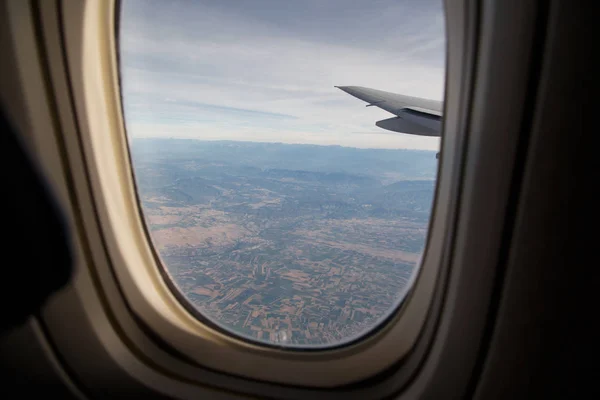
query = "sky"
x=265 y=70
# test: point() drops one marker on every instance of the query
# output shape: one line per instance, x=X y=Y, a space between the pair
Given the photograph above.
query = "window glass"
x=284 y=210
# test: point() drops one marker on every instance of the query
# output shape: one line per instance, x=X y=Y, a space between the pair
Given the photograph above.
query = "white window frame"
x=126 y=314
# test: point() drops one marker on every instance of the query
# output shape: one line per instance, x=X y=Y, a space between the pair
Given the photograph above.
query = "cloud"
x=268 y=74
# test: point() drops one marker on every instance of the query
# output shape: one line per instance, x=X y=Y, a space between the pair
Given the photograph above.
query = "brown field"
x=266 y=202
x=321 y=238
x=205 y=291
x=163 y=219
x=217 y=235
x=376 y=225
x=296 y=275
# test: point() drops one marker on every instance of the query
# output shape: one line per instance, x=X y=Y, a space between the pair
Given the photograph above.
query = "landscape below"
x=296 y=245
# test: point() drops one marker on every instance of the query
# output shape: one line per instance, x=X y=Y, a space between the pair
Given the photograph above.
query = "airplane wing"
x=413 y=115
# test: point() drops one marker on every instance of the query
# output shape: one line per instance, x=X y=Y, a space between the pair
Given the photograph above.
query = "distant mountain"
x=382 y=164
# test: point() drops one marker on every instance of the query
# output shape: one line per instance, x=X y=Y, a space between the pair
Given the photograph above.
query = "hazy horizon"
x=280 y=143
x=265 y=72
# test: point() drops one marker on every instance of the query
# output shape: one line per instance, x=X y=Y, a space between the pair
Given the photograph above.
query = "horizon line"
x=281 y=143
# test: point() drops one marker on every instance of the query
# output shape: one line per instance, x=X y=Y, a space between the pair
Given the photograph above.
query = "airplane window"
x=285 y=156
